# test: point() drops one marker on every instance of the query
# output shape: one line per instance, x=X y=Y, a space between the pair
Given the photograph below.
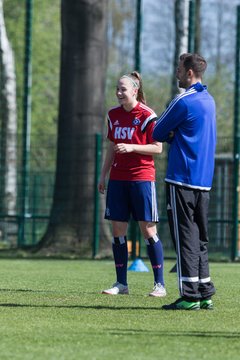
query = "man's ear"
x=190 y=73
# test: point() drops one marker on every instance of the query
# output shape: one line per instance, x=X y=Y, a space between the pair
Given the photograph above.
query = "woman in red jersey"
x=131 y=187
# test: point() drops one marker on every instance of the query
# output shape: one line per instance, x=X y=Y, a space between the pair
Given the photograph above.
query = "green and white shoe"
x=182 y=304
x=206 y=304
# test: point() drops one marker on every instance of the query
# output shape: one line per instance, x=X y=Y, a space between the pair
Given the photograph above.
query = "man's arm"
x=169 y=121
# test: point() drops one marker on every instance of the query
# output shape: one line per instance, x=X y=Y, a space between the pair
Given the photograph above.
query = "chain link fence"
x=40 y=194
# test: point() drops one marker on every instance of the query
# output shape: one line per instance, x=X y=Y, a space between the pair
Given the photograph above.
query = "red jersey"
x=133 y=127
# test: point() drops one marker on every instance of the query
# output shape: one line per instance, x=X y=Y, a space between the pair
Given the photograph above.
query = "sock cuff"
x=152 y=240
x=119 y=240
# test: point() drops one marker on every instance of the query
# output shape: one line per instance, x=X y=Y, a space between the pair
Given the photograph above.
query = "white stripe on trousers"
x=177 y=241
x=176 y=234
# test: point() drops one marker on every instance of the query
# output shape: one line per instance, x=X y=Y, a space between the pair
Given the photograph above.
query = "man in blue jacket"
x=189 y=126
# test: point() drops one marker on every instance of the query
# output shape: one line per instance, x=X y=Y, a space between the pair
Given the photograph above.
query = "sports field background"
x=53 y=309
x=157 y=63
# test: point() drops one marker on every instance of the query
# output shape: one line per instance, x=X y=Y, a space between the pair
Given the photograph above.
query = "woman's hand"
x=123 y=148
x=147 y=149
x=101 y=186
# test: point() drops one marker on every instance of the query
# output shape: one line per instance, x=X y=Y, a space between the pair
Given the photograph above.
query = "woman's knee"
x=119 y=228
x=148 y=229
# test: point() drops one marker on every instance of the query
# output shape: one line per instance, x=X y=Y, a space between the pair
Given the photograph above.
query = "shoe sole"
x=157 y=295
x=108 y=293
x=207 y=308
x=174 y=308
x=191 y=309
x=179 y=309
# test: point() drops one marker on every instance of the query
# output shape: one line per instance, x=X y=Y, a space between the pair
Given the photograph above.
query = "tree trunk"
x=81 y=114
x=181 y=10
x=197 y=37
x=219 y=36
x=8 y=146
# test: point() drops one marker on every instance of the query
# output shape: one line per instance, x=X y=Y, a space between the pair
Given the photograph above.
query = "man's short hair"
x=194 y=62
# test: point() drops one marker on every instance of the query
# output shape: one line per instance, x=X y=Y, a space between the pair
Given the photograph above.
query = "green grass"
x=53 y=309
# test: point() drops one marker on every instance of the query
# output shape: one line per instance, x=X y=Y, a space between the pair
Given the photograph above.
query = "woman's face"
x=125 y=92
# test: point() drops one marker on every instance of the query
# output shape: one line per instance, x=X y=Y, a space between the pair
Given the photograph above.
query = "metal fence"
x=33 y=205
x=221 y=233
x=39 y=201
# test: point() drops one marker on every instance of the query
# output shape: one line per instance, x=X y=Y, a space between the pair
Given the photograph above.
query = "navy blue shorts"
x=136 y=198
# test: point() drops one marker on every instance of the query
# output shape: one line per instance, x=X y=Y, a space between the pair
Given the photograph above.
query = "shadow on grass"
x=76 y=292
x=27 y=290
x=95 y=307
x=166 y=333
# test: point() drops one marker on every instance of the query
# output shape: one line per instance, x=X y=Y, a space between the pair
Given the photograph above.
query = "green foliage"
x=45 y=73
x=46 y=39
x=221 y=86
x=54 y=310
x=122 y=12
x=157 y=92
x=46 y=64
x=121 y=30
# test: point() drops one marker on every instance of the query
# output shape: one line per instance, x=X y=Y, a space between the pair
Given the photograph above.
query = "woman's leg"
x=154 y=249
x=120 y=251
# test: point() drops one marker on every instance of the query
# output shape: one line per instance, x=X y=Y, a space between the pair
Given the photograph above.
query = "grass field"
x=53 y=309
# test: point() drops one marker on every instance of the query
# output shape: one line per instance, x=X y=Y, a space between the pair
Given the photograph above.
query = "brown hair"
x=194 y=62
x=136 y=77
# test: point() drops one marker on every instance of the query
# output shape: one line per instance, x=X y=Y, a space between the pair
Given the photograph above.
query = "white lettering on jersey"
x=117 y=133
x=123 y=133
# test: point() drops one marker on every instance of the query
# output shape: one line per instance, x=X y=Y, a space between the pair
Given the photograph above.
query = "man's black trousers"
x=187 y=211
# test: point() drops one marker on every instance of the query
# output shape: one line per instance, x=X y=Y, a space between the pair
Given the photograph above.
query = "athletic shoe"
x=206 y=304
x=158 y=291
x=117 y=289
x=182 y=304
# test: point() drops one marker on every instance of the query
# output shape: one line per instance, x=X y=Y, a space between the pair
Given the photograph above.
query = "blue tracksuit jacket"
x=192 y=117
